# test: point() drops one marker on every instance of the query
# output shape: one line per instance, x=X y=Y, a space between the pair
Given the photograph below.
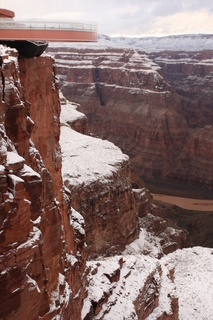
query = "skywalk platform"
x=44 y=30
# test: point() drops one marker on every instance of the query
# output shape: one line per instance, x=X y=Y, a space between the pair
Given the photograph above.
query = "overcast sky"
x=124 y=17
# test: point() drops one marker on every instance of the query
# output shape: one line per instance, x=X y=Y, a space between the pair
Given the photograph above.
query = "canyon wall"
x=190 y=73
x=38 y=278
x=128 y=101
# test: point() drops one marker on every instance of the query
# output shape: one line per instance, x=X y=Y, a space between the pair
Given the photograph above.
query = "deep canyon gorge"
x=80 y=235
x=160 y=114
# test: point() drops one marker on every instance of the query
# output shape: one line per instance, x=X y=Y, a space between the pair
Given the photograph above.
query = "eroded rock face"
x=43 y=240
x=44 y=108
x=129 y=102
x=39 y=263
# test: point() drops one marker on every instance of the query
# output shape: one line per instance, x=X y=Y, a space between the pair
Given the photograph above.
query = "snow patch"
x=71 y=259
x=146 y=244
x=63 y=299
x=191 y=42
x=193 y=281
x=33 y=238
x=70 y=114
x=28 y=171
x=86 y=159
x=13 y=158
x=121 y=294
x=77 y=221
x=30 y=280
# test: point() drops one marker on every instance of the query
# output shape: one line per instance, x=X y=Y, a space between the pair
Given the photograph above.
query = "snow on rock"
x=192 y=285
x=77 y=221
x=98 y=175
x=116 y=298
x=33 y=282
x=86 y=159
x=167 y=296
x=193 y=279
x=29 y=172
x=71 y=259
x=70 y=113
x=3 y=151
x=147 y=243
x=181 y=282
x=60 y=298
x=178 y=285
x=14 y=161
x=15 y=183
x=8 y=54
x=16 y=179
x=32 y=241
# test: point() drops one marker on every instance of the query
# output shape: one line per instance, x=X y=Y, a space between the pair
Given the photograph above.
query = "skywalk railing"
x=28 y=24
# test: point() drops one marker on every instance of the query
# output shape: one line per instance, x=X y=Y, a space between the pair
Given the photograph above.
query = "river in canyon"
x=193 y=216
x=185 y=203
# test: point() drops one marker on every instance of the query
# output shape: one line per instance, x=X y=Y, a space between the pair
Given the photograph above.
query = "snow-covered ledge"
x=98 y=175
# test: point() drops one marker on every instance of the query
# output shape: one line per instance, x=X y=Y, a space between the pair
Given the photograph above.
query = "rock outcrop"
x=128 y=101
x=98 y=178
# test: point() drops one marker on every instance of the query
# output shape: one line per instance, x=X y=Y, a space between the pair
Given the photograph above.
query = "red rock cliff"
x=40 y=275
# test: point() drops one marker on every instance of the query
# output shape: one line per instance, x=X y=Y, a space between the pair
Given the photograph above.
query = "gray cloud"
x=165 y=8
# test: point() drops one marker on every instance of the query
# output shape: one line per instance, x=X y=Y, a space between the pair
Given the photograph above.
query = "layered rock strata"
x=129 y=102
x=190 y=73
